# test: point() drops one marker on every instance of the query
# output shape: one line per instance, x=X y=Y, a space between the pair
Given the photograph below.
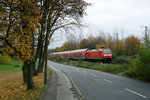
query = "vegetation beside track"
x=111 y=68
x=12 y=86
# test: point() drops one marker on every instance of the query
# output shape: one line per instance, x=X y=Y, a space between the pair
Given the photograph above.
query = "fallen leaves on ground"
x=13 y=88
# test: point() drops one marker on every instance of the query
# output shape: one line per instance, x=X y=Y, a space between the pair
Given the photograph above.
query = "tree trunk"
x=24 y=70
x=46 y=53
x=41 y=57
x=28 y=75
x=42 y=62
x=46 y=49
x=34 y=68
x=39 y=64
x=39 y=48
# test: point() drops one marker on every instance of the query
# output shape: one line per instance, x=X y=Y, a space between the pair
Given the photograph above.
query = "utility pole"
x=146 y=35
x=145 y=30
x=117 y=48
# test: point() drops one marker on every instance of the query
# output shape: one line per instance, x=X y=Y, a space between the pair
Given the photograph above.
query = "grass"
x=10 y=68
x=111 y=68
x=15 y=66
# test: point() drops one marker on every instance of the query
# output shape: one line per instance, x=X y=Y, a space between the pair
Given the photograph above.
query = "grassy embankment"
x=124 y=66
x=120 y=69
x=12 y=86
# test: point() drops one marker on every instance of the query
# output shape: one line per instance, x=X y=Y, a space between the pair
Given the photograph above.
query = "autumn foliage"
x=128 y=46
x=13 y=88
x=132 y=44
x=18 y=21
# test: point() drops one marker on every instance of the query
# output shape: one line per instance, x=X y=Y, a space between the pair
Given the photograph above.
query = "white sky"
x=113 y=16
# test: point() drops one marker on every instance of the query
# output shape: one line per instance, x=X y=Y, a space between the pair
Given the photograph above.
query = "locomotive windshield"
x=107 y=51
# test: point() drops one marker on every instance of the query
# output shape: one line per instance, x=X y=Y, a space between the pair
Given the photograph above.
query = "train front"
x=107 y=54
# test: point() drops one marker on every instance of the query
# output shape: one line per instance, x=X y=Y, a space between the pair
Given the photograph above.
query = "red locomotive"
x=96 y=54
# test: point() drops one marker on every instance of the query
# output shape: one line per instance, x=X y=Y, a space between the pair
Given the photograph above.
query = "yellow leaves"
x=12 y=87
x=23 y=47
x=24 y=23
x=7 y=50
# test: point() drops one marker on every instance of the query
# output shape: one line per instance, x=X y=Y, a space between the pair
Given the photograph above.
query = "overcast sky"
x=113 y=16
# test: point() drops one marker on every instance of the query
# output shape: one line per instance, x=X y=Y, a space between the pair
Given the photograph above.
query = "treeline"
x=127 y=46
x=24 y=22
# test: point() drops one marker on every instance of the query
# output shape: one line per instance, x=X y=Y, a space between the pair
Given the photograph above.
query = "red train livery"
x=95 y=54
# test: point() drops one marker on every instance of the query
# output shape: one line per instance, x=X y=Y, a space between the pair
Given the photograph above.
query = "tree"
x=141 y=64
x=83 y=44
x=106 y=44
x=19 y=21
x=92 y=41
x=131 y=45
x=65 y=46
x=58 y=14
x=73 y=41
x=120 y=47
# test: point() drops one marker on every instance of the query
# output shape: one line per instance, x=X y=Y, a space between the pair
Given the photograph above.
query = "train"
x=85 y=54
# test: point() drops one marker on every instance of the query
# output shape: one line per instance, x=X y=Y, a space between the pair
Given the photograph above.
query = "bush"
x=5 y=59
x=122 y=60
x=58 y=59
x=114 y=55
x=141 y=65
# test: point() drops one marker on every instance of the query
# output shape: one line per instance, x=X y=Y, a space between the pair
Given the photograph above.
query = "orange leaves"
x=131 y=44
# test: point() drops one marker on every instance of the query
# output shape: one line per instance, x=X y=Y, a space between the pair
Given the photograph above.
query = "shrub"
x=5 y=59
x=114 y=55
x=59 y=59
x=122 y=60
x=141 y=65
